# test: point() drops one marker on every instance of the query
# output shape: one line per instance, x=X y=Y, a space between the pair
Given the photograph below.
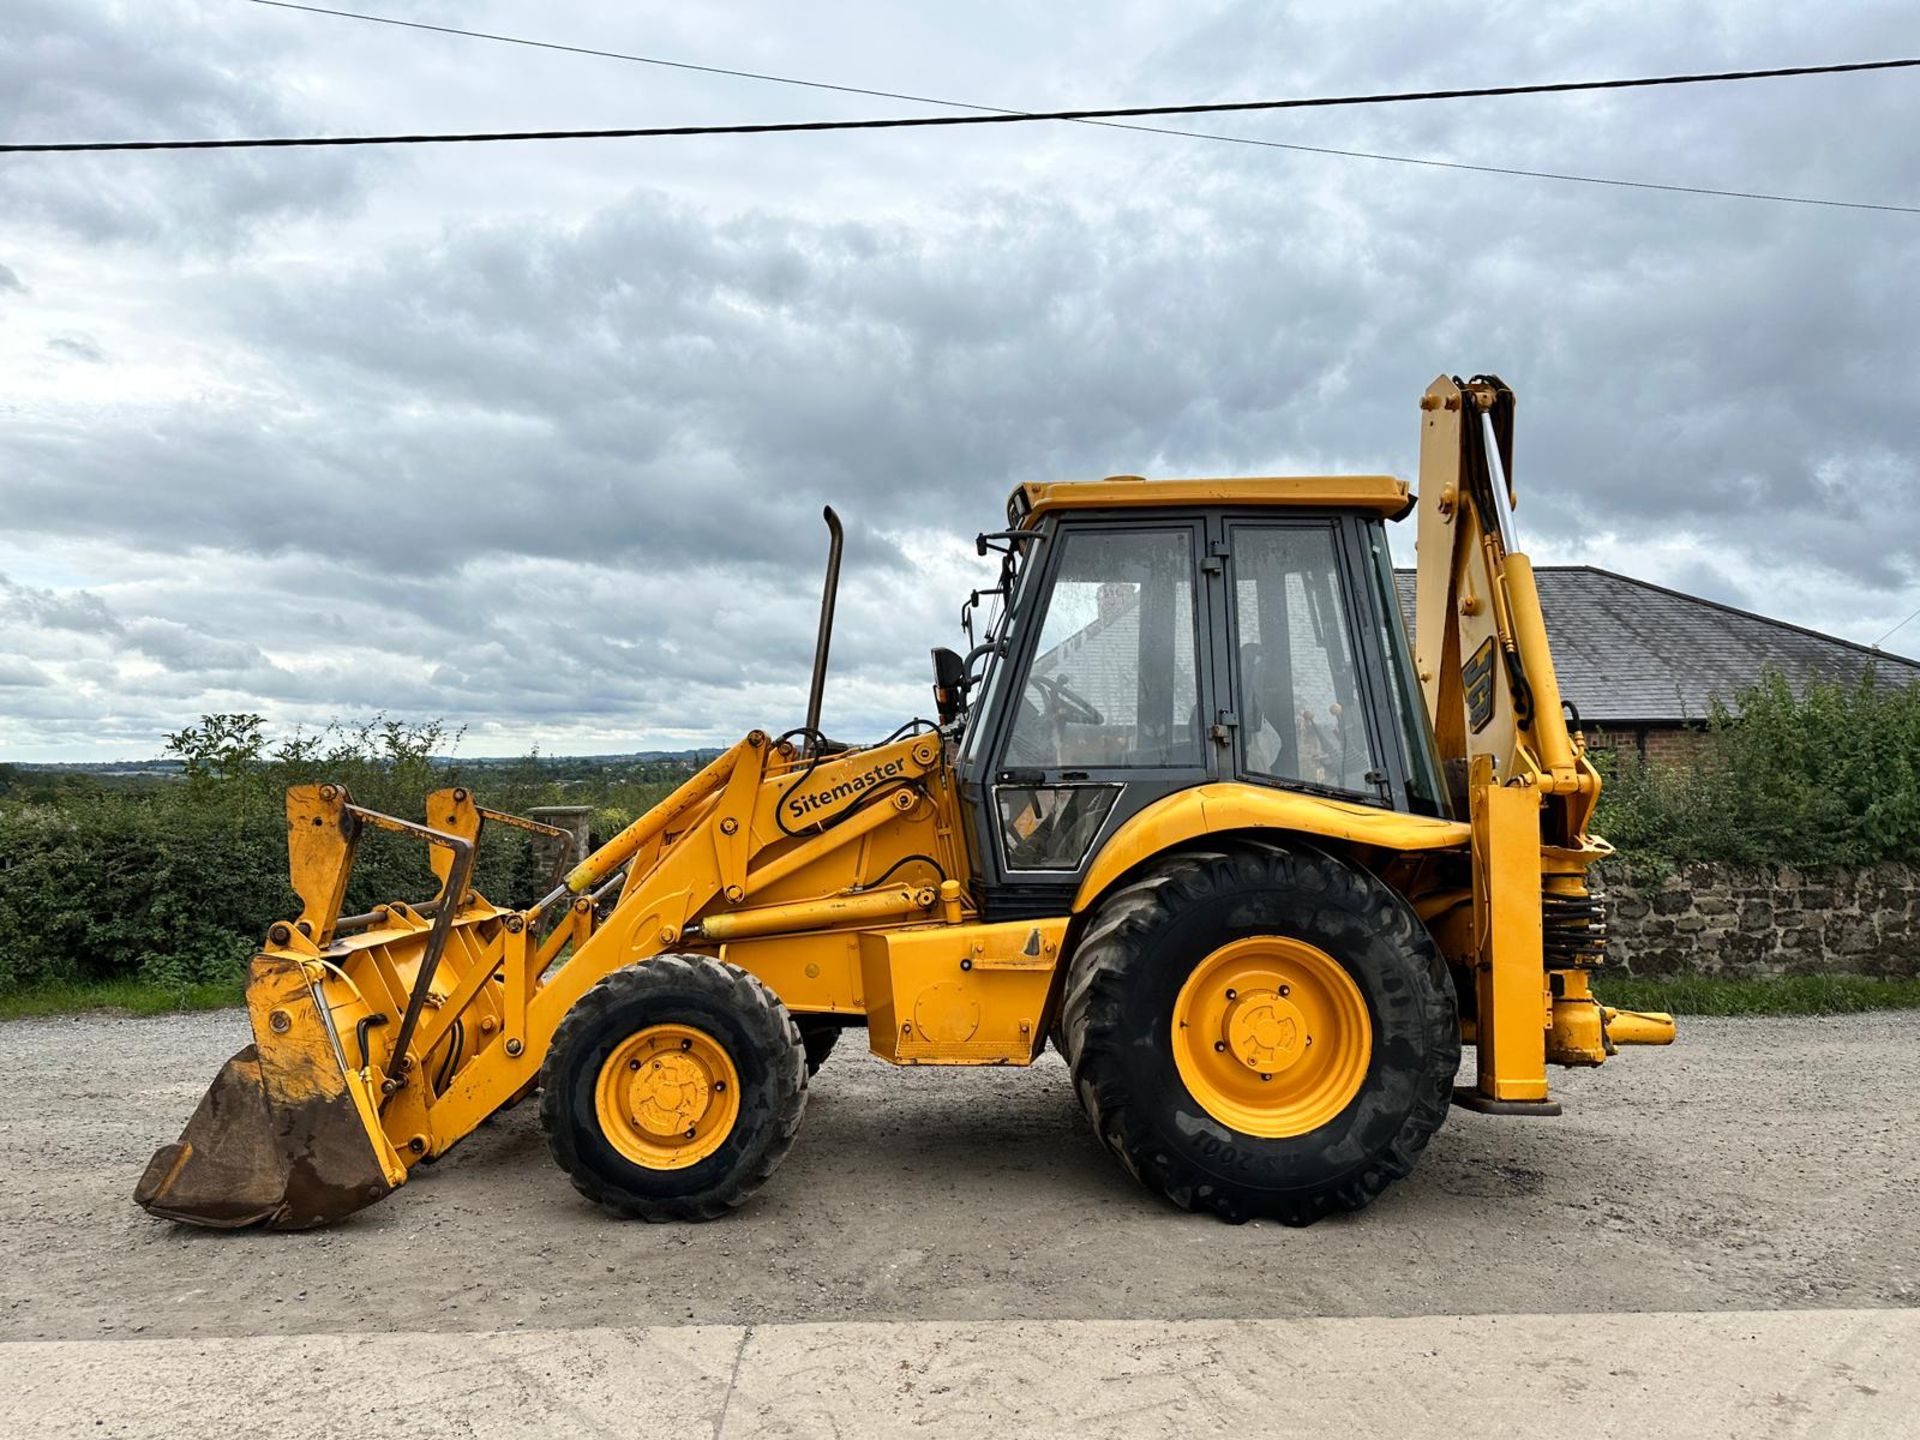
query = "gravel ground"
x=1759 y=1164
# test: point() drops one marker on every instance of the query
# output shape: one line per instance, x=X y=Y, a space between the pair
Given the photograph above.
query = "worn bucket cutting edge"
x=285 y=1136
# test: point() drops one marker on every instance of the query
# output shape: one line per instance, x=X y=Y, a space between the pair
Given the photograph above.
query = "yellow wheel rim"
x=667 y=1097
x=1271 y=1036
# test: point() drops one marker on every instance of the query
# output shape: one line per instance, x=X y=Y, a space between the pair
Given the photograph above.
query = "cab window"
x=1113 y=682
x=1302 y=717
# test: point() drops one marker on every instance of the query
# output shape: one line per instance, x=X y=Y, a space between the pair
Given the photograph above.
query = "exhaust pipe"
x=820 y=646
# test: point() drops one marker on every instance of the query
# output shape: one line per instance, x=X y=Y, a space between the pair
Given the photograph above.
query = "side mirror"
x=949 y=684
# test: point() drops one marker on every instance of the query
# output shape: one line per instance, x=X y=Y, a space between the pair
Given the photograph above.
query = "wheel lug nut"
x=686 y=1044
x=1233 y=994
x=1285 y=990
x=1220 y=1045
x=691 y=1132
x=633 y=1064
x=719 y=1086
x=1266 y=1077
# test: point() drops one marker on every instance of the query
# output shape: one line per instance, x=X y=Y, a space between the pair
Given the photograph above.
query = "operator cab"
x=1152 y=636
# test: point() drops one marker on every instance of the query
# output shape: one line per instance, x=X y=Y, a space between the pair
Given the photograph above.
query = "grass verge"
x=133 y=997
x=1786 y=995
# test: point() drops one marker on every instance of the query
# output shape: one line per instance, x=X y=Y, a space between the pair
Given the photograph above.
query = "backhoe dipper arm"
x=1481 y=646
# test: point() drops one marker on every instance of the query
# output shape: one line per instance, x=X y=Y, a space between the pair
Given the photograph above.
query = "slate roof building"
x=1643 y=663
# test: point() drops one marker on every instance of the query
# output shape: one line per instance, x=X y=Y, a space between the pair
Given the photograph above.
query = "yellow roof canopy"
x=1373 y=494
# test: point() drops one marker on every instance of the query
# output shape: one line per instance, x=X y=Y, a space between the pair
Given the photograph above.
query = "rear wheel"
x=673 y=1088
x=1261 y=1032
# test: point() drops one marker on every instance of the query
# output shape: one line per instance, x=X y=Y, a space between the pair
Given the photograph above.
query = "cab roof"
x=1381 y=495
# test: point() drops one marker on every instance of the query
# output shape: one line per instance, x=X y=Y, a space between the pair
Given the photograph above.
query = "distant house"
x=1642 y=663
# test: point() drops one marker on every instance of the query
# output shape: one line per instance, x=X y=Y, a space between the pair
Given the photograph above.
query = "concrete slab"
x=1749 y=1374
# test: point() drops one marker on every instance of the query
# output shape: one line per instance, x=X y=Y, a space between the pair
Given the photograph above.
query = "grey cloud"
x=182 y=648
x=17 y=672
x=9 y=280
x=77 y=71
x=559 y=472
x=72 y=610
x=653 y=386
x=78 y=347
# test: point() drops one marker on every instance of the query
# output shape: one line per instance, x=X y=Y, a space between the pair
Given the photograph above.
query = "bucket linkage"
x=293 y=1132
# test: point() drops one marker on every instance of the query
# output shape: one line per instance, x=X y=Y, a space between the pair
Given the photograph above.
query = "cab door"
x=1110 y=709
x=1304 y=654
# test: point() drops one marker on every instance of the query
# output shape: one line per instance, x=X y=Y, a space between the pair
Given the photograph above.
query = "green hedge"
x=1830 y=776
x=175 y=883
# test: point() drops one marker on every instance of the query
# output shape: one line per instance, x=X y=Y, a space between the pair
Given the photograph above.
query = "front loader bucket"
x=286 y=1136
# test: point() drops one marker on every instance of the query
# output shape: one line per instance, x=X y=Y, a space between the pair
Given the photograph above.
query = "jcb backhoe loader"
x=1191 y=807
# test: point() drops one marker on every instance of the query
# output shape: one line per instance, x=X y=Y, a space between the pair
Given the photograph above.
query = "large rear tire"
x=673 y=1088
x=1194 y=1005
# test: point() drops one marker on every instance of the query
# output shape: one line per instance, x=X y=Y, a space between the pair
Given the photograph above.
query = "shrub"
x=1830 y=775
x=175 y=883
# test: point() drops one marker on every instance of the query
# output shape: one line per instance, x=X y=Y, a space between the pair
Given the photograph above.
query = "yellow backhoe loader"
x=1192 y=807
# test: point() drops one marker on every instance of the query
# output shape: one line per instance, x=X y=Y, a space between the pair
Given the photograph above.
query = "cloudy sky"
x=535 y=437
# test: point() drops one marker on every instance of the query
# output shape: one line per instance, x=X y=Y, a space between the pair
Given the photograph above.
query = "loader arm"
x=1512 y=764
x=383 y=1039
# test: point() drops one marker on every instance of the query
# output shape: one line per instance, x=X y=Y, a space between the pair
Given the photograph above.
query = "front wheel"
x=673 y=1088
x=1261 y=1032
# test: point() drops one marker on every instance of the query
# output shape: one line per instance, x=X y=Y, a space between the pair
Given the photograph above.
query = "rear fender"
x=1207 y=810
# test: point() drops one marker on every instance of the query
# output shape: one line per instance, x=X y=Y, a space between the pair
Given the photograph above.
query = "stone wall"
x=1767 y=920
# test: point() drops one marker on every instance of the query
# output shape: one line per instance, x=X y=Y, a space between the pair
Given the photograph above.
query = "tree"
x=219 y=748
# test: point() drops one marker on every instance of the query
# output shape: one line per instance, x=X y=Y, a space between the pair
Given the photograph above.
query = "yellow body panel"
x=1370 y=494
x=1509 y=984
x=960 y=994
x=1231 y=806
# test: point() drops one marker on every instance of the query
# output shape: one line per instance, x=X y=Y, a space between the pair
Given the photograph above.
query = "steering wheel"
x=1065 y=706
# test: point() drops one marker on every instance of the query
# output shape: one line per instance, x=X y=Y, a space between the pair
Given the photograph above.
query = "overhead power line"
x=635 y=59
x=1428 y=161
x=992 y=118
x=1896 y=629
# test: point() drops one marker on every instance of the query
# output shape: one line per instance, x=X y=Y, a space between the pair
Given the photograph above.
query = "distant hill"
x=691 y=759
x=96 y=767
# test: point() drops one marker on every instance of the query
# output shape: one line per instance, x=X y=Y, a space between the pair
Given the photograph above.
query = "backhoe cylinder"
x=1548 y=724
x=1497 y=474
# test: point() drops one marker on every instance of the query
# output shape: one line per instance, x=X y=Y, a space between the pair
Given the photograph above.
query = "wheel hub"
x=667 y=1096
x=1265 y=1031
x=670 y=1094
x=1271 y=1036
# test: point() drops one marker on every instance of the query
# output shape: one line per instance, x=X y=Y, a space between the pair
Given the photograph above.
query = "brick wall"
x=1768 y=920
x=1657 y=744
